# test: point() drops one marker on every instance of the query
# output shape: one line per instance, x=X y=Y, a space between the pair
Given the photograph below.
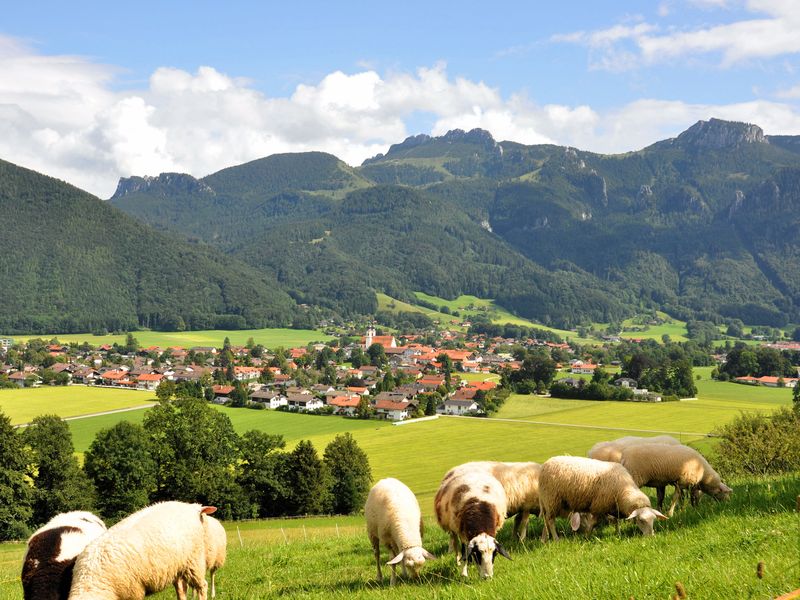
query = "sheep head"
x=645 y=517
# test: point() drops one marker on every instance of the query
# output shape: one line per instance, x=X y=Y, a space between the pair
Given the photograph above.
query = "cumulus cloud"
x=623 y=46
x=61 y=115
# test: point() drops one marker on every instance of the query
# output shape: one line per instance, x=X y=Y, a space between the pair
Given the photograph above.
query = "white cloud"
x=60 y=115
x=623 y=46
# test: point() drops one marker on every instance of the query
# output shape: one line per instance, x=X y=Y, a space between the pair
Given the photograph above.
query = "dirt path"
x=98 y=414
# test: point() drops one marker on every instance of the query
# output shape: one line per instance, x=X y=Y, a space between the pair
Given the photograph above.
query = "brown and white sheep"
x=394 y=519
x=612 y=451
x=52 y=549
x=144 y=553
x=520 y=481
x=471 y=507
x=573 y=486
x=684 y=467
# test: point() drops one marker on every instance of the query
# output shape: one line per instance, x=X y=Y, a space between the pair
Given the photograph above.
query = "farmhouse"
x=454 y=406
x=391 y=410
x=344 y=405
x=582 y=368
x=148 y=381
x=269 y=398
x=303 y=401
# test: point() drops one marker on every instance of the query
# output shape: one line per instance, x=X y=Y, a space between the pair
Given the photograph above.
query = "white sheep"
x=216 y=543
x=51 y=553
x=394 y=519
x=144 y=553
x=612 y=452
x=471 y=507
x=571 y=485
x=681 y=466
x=520 y=481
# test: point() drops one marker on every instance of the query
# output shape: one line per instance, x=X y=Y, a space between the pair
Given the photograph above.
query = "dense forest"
x=71 y=263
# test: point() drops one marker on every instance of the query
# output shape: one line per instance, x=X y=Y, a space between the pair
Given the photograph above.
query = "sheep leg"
x=213 y=583
x=521 y=524
x=376 y=549
x=393 y=580
x=661 y=490
x=676 y=497
x=455 y=546
x=180 y=587
x=694 y=496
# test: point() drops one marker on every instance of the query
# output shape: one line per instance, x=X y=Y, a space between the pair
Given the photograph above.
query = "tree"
x=165 y=390
x=377 y=355
x=364 y=409
x=358 y=358
x=120 y=464
x=309 y=481
x=263 y=473
x=16 y=494
x=350 y=474
x=240 y=396
x=796 y=398
x=447 y=368
x=195 y=449
x=60 y=484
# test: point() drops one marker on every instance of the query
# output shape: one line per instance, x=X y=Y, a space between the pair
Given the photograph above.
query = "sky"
x=91 y=92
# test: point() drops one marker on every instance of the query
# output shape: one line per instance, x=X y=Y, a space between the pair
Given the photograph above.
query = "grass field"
x=22 y=405
x=712 y=550
x=270 y=338
x=675 y=329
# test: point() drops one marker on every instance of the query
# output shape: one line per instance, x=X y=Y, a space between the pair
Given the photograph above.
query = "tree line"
x=183 y=450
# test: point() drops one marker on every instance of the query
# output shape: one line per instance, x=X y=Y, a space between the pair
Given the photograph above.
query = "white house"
x=457 y=407
x=393 y=411
x=270 y=398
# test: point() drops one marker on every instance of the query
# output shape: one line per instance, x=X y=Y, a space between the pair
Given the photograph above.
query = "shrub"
x=757 y=444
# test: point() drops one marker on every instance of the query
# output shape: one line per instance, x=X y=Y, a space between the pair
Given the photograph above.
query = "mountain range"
x=702 y=226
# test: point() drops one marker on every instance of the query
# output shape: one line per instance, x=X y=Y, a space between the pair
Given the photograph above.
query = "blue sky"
x=92 y=91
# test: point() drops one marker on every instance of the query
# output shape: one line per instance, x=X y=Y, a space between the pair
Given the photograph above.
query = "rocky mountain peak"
x=718 y=134
x=178 y=182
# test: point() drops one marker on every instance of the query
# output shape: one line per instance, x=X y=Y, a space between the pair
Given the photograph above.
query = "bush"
x=757 y=444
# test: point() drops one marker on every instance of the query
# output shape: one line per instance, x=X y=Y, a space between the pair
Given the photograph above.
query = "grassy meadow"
x=712 y=551
x=270 y=338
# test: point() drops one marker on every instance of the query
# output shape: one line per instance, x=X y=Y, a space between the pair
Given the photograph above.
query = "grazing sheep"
x=520 y=481
x=612 y=452
x=570 y=485
x=395 y=520
x=471 y=507
x=52 y=549
x=684 y=467
x=216 y=541
x=144 y=553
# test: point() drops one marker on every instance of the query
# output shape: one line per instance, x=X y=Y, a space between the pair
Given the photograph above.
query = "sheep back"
x=393 y=515
x=662 y=464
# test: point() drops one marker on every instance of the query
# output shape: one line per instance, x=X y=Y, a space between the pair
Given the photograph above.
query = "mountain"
x=687 y=225
x=72 y=262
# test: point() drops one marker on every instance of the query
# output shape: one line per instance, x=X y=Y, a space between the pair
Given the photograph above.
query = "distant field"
x=22 y=405
x=270 y=338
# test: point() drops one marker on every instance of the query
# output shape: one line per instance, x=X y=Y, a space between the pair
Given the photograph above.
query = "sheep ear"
x=575 y=521
x=208 y=510
x=633 y=515
x=725 y=488
x=428 y=555
x=396 y=559
x=502 y=551
x=660 y=516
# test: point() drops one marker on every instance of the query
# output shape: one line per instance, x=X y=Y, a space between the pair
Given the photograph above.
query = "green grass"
x=675 y=329
x=22 y=405
x=712 y=550
x=270 y=338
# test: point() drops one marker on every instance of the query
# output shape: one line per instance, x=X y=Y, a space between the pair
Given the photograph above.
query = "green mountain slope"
x=552 y=233
x=71 y=262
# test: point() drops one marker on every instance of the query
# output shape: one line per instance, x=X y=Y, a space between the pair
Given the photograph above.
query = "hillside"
x=72 y=262
x=553 y=234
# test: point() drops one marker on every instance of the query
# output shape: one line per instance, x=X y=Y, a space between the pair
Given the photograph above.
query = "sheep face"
x=721 y=493
x=481 y=550
x=412 y=559
x=645 y=517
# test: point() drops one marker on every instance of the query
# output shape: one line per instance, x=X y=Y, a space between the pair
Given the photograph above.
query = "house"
x=303 y=402
x=221 y=393
x=85 y=375
x=626 y=382
x=148 y=381
x=322 y=388
x=246 y=373
x=465 y=393
x=20 y=377
x=582 y=368
x=453 y=406
x=392 y=411
x=117 y=378
x=6 y=343
x=431 y=382
x=345 y=404
x=203 y=350
x=270 y=398
x=387 y=341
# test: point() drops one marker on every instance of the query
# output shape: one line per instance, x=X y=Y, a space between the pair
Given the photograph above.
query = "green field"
x=270 y=338
x=22 y=405
x=675 y=329
x=711 y=550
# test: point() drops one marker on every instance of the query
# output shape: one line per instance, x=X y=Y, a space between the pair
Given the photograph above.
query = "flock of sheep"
x=475 y=498
x=75 y=557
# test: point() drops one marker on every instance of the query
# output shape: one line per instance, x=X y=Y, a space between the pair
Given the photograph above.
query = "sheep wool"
x=144 y=553
x=52 y=549
x=394 y=519
x=570 y=485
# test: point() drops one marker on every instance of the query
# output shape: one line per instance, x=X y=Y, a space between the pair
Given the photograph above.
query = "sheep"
x=159 y=545
x=394 y=519
x=520 y=481
x=570 y=485
x=471 y=507
x=612 y=452
x=216 y=544
x=681 y=466
x=52 y=549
